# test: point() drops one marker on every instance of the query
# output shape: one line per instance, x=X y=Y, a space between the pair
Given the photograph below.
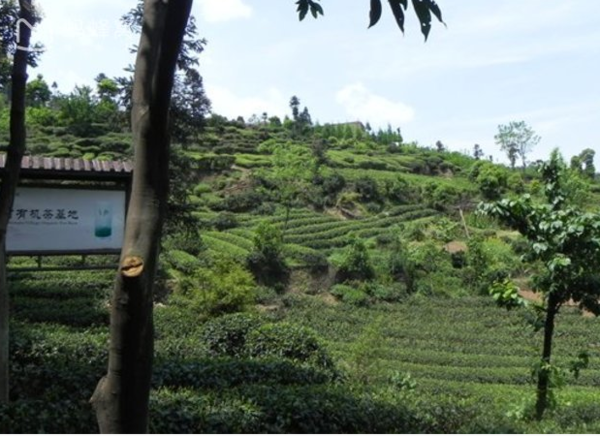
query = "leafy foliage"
x=517 y=139
x=565 y=242
x=224 y=287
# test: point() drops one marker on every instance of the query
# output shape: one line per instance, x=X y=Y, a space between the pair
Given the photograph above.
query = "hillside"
x=329 y=279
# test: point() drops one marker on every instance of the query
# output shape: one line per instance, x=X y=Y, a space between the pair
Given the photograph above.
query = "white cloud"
x=225 y=102
x=215 y=11
x=361 y=104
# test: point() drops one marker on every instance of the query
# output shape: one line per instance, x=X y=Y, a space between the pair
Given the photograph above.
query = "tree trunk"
x=10 y=179
x=121 y=397
x=544 y=374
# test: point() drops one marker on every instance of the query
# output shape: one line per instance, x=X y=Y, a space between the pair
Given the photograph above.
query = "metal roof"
x=71 y=168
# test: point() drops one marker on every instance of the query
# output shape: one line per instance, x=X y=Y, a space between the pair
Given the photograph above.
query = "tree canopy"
x=565 y=243
x=424 y=10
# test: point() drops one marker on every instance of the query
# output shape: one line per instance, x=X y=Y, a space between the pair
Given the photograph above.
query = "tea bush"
x=227 y=334
x=224 y=287
x=355 y=263
x=288 y=341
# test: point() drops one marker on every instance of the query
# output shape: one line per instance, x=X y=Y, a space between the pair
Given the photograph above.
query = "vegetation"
x=565 y=243
x=316 y=278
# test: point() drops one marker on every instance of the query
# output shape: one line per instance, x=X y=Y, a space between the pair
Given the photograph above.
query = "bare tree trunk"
x=121 y=397
x=544 y=374
x=10 y=179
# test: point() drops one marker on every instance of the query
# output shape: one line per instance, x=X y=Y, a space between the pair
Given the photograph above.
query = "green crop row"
x=475 y=374
x=220 y=246
x=281 y=217
x=297 y=225
x=252 y=160
x=402 y=209
x=333 y=231
x=238 y=241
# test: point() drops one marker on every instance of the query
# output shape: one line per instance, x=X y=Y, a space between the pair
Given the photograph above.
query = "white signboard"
x=69 y=220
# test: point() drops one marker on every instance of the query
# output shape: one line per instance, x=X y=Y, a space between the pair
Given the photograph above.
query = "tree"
x=10 y=176
x=295 y=107
x=121 y=397
x=423 y=9
x=587 y=160
x=440 y=147
x=517 y=139
x=106 y=88
x=9 y=14
x=38 y=92
x=477 y=152
x=189 y=104
x=564 y=241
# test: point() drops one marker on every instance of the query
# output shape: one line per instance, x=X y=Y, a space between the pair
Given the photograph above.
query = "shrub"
x=392 y=292
x=202 y=188
x=316 y=262
x=399 y=191
x=350 y=294
x=226 y=335
x=289 y=341
x=367 y=188
x=241 y=202
x=224 y=287
x=224 y=221
x=189 y=243
x=490 y=179
x=266 y=261
x=356 y=263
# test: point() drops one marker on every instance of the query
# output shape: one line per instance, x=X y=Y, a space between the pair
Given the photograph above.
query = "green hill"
x=334 y=280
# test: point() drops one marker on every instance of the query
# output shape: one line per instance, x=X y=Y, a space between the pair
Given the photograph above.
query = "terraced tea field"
x=463 y=350
x=465 y=346
x=309 y=232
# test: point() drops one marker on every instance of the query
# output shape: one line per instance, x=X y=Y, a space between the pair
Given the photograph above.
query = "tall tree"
x=563 y=241
x=295 y=107
x=9 y=14
x=121 y=397
x=477 y=152
x=38 y=93
x=517 y=139
x=10 y=176
x=189 y=104
x=587 y=160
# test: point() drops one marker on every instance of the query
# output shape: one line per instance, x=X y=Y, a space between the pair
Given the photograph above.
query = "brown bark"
x=121 y=397
x=10 y=179
x=544 y=375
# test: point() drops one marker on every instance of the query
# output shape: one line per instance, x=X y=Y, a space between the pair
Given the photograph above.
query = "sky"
x=495 y=62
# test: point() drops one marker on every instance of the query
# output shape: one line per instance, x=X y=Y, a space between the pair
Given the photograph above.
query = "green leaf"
x=375 y=13
x=302 y=8
x=436 y=11
x=316 y=9
x=396 y=6
x=422 y=8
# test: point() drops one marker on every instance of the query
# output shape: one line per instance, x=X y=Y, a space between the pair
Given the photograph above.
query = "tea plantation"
x=310 y=365
x=330 y=281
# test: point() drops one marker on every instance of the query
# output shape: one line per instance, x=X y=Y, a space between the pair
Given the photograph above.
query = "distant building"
x=353 y=124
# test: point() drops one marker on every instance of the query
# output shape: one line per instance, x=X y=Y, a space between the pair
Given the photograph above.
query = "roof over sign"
x=59 y=167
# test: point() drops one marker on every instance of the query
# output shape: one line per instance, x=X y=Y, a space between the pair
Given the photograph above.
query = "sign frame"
x=76 y=187
x=96 y=177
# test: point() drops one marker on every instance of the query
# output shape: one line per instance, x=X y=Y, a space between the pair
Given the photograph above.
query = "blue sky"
x=496 y=62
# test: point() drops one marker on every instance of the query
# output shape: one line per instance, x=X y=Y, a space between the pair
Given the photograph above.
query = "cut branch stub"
x=132 y=266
